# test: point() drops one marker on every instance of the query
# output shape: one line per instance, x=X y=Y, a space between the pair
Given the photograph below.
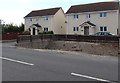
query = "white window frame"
x=46 y=18
x=31 y=19
x=103 y=28
x=45 y=29
x=88 y=15
x=103 y=14
x=75 y=16
x=37 y=19
x=75 y=28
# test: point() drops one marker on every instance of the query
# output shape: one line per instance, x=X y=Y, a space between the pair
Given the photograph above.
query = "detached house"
x=89 y=19
x=46 y=20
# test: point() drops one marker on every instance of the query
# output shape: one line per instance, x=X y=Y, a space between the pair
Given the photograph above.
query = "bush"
x=10 y=28
x=48 y=32
x=21 y=27
x=40 y=32
x=26 y=32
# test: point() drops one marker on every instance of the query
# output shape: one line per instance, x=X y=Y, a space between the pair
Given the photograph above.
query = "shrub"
x=10 y=28
x=26 y=32
x=48 y=32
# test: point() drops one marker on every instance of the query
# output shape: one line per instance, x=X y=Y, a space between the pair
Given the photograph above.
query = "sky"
x=14 y=11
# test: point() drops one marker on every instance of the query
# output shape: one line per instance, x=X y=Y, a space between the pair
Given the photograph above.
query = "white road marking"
x=89 y=77
x=26 y=63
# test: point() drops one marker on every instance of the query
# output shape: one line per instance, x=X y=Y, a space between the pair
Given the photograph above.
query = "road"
x=20 y=64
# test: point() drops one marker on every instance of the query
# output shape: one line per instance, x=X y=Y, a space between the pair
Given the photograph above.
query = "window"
x=88 y=15
x=75 y=28
x=100 y=14
x=45 y=29
x=103 y=14
x=37 y=19
x=76 y=16
x=30 y=19
x=103 y=28
x=46 y=18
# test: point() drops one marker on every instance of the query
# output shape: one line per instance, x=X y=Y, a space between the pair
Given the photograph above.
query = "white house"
x=89 y=19
x=46 y=20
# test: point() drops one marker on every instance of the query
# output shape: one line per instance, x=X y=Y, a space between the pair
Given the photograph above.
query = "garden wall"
x=92 y=48
x=10 y=36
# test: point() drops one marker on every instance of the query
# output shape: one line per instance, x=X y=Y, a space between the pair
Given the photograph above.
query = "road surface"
x=20 y=64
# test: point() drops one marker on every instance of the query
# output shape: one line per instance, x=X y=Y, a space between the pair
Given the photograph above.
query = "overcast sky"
x=13 y=11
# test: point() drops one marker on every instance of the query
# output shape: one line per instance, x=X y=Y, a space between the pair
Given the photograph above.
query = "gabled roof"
x=101 y=6
x=37 y=25
x=44 y=12
x=88 y=22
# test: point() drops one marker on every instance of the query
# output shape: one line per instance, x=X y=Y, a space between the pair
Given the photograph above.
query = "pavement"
x=7 y=41
x=21 y=64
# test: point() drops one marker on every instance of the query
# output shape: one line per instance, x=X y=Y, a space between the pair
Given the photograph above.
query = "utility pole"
x=0 y=21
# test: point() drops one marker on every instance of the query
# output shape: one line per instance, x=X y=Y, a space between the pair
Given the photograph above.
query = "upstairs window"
x=76 y=16
x=103 y=14
x=37 y=19
x=75 y=28
x=88 y=16
x=31 y=19
x=46 y=18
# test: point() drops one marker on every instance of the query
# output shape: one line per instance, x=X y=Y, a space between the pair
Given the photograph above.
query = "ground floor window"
x=45 y=29
x=75 y=28
x=103 y=28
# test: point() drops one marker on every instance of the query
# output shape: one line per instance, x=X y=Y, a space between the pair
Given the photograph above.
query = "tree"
x=2 y=25
x=21 y=27
x=10 y=28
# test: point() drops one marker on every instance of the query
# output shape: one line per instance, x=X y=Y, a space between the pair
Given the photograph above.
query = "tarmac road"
x=19 y=64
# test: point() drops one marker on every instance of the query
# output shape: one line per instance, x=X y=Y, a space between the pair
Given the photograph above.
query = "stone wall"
x=92 y=48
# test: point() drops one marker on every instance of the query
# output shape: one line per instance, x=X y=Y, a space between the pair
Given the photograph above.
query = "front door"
x=86 y=30
x=33 y=31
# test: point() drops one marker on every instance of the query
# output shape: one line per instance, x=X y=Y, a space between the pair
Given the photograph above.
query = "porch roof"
x=88 y=22
x=37 y=25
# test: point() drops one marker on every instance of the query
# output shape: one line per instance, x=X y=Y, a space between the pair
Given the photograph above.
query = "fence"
x=79 y=38
x=10 y=36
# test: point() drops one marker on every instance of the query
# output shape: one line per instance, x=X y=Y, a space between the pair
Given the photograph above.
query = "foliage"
x=48 y=32
x=21 y=27
x=26 y=32
x=10 y=28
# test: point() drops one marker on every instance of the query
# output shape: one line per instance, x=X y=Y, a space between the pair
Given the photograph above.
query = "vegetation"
x=48 y=32
x=10 y=28
x=26 y=32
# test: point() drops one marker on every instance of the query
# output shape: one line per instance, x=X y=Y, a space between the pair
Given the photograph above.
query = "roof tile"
x=44 y=12
x=93 y=7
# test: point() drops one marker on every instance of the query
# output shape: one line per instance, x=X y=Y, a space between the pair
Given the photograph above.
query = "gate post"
x=119 y=47
x=30 y=38
x=17 y=39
